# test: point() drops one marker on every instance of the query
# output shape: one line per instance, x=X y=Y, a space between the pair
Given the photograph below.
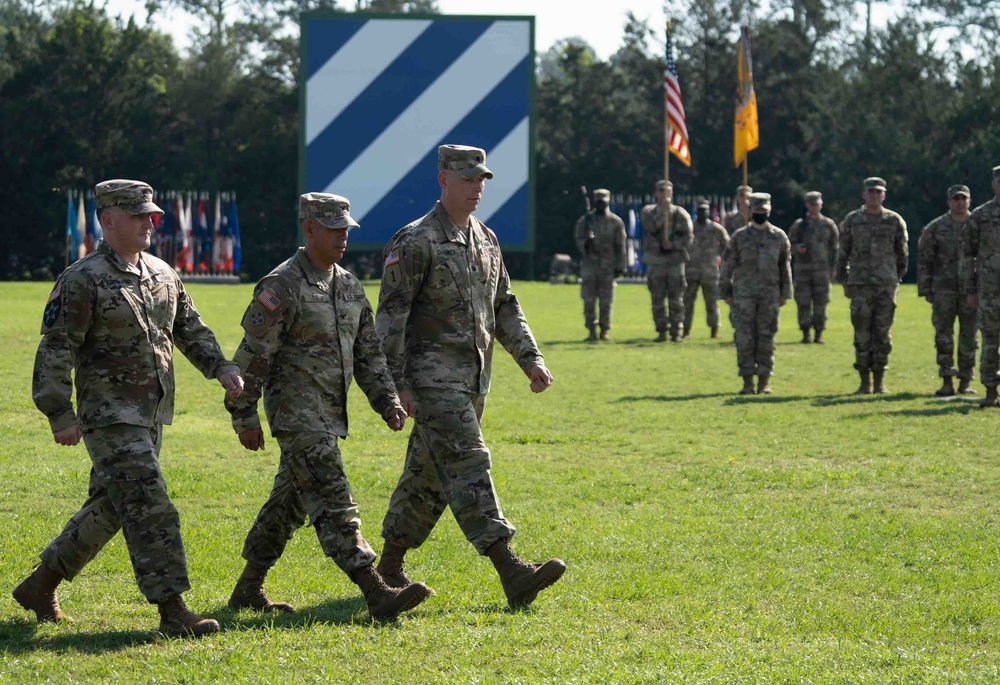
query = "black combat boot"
x=592 y=335
x=604 y=334
x=878 y=387
x=715 y=331
x=386 y=603
x=522 y=581
x=249 y=593
x=965 y=386
x=991 y=399
x=866 y=384
x=179 y=621
x=747 y=388
x=37 y=593
x=661 y=336
x=763 y=388
x=818 y=338
x=947 y=388
x=805 y=335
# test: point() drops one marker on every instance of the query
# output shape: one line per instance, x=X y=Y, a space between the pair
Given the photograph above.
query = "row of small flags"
x=628 y=207
x=198 y=232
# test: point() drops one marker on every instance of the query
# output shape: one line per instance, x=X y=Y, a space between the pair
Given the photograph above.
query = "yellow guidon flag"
x=746 y=135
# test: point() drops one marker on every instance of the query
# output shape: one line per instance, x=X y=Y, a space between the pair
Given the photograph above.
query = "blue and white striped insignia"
x=382 y=94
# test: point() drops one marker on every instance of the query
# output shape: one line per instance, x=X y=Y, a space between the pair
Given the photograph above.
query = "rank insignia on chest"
x=268 y=299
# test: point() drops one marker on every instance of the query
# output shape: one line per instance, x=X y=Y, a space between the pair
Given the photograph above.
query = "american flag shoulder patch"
x=268 y=299
x=393 y=258
x=55 y=292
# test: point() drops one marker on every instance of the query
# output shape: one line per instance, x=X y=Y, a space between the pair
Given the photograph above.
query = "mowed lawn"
x=806 y=537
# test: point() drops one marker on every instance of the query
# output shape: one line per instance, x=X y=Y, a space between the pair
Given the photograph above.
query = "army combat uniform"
x=665 y=275
x=756 y=276
x=115 y=325
x=702 y=272
x=981 y=276
x=600 y=238
x=872 y=261
x=814 y=261
x=938 y=260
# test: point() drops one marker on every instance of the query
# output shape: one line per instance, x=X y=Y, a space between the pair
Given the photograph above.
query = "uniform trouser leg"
x=710 y=292
x=883 y=313
x=820 y=300
x=766 y=322
x=872 y=312
x=967 y=338
x=944 y=311
x=311 y=482
x=447 y=434
x=804 y=301
x=989 y=323
x=743 y=315
x=690 y=295
x=589 y=292
x=656 y=282
x=127 y=492
x=676 y=283
x=606 y=291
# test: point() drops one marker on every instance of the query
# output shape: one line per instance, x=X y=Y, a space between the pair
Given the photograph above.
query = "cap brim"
x=145 y=208
x=344 y=221
x=960 y=193
x=475 y=172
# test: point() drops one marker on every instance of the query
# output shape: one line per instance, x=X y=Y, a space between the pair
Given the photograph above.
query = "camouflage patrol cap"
x=135 y=197
x=332 y=211
x=602 y=194
x=813 y=196
x=744 y=191
x=664 y=184
x=874 y=183
x=760 y=201
x=957 y=190
x=996 y=173
x=467 y=162
x=702 y=202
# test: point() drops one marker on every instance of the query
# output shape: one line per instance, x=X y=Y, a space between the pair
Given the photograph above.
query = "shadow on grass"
x=20 y=636
x=939 y=410
x=670 y=398
x=342 y=611
x=851 y=398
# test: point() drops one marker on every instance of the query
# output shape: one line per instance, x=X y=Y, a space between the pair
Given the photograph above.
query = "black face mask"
x=760 y=217
x=600 y=206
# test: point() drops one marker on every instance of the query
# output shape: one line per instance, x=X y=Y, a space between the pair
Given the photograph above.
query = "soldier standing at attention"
x=872 y=260
x=600 y=237
x=308 y=331
x=981 y=283
x=814 y=239
x=666 y=233
x=445 y=300
x=940 y=253
x=702 y=269
x=112 y=320
x=756 y=281
x=736 y=221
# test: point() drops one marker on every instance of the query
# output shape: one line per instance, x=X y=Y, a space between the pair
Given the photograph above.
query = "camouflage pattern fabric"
x=980 y=274
x=601 y=242
x=310 y=484
x=127 y=492
x=445 y=298
x=815 y=245
x=733 y=223
x=756 y=275
x=665 y=276
x=115 y=326
x=307 y=334
x=702 y=271
x=448 y=424
x=938 y=266
x=873 y=308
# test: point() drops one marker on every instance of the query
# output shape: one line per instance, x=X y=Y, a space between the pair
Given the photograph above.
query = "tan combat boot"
x=386 y=603
x=965 y=387
x=390 y=565
x=763 y=388
x=747 y=388
x=947 y=388
x=37 y=593
x=991 y=399
x=249 y=593
x=878 y=387
x=522 y=581
x=177 y=620
x=866 y=384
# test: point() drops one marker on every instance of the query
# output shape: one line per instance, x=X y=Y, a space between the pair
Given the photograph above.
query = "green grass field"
x=806 y=537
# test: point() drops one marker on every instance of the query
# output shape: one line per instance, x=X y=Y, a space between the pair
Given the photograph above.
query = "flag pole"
x=746 y=211
x=666 y=128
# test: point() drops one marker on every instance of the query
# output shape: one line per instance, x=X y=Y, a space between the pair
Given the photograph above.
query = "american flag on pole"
x=676 y=130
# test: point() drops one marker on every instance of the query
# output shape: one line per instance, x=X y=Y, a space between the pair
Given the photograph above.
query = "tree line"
x=85 y=96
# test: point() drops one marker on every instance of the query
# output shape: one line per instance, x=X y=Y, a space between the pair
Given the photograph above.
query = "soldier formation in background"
x=600 y=238
x=939 y=282
x=756 y=281
x=702 y=269
x=666 y=237
x=814 y=239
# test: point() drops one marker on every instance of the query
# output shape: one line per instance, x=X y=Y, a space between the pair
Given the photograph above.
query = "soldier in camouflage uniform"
x=872 y=260
x=600 y=237
x=307 y=332
x=445 y=299
x=702 y=269
x=756 y=281
x=112 y=320
x=938 y=281
x=814 y=239
x=981 y=284
x=736 y=221
x=666 y=232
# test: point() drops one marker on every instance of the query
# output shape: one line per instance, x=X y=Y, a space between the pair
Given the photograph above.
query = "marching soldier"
x=814 y=239
x=666 y=236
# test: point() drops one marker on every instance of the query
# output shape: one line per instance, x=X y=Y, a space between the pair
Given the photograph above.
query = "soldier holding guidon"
x=600 y=238
x=666 y=232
